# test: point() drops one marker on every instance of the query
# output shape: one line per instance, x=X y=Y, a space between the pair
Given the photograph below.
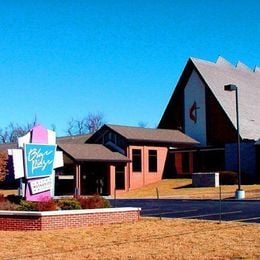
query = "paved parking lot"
x=226 y=210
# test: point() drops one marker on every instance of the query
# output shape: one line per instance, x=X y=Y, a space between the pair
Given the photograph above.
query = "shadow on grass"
x=182 y=187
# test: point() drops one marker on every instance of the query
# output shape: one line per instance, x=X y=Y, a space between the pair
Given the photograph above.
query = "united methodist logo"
x=193 y=112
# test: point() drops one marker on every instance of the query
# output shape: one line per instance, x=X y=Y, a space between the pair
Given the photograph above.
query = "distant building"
x=202 y=109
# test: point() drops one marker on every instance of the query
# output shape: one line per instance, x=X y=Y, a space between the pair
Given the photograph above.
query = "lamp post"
x=240 y=194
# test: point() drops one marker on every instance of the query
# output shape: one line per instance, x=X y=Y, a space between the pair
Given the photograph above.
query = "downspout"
x=78 y=174
x=143 y=165
x=128 y=168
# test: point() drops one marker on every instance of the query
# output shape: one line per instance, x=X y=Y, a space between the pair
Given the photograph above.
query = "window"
x=152 y=160
x=137 y=160
x=120 y=177
x=185 y=162
x=110 y=137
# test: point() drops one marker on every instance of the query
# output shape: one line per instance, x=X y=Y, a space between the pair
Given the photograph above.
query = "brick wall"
x=50 y=220
x=144 y=177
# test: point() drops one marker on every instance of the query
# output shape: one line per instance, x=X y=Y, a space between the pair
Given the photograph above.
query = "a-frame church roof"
x=216 y=75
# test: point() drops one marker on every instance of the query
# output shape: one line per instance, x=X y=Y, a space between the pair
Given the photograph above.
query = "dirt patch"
x=146 y=239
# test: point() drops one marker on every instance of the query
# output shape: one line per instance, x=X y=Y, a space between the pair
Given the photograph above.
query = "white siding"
x=195 y=92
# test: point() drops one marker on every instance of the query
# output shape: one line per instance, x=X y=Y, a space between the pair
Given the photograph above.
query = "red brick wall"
x=139 y=179
x=58 y=221
x=14 y=222
x=178 y=162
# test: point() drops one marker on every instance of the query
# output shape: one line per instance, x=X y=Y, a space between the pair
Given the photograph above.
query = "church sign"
x=39 y=160
x=34 y=162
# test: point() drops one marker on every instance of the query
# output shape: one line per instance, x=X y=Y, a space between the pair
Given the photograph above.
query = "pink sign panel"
x=40 y=136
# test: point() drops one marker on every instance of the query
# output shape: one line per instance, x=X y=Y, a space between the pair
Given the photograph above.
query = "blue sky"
x=64 y=59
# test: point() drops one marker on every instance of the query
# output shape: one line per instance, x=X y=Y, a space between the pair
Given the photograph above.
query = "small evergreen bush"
x=26 y=205
x=67 y=204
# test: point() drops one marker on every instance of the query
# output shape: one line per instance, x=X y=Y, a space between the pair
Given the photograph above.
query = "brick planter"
x=49 y=220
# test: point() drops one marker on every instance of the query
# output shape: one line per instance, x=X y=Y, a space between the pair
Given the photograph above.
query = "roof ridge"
x=194 y=59
x=142 y=128
x=72 y=136
x=241 y=66
x=126 y=126
x=256 y=69
x=223 y=62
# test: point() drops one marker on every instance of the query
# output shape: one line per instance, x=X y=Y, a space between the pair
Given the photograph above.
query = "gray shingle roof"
x=74 y=139
x=153 y=135
x=5 y=147
x=92 y=152
x=221 y=73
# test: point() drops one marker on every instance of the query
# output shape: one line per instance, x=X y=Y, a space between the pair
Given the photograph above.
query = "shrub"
x=13 y=202
x=93 y=202
x=67 y=204
x=37 y=205
x=14 y=198
x=228 y=178
x=2 y=198
x=26 y=206
x=45 y=205
x=7 y=205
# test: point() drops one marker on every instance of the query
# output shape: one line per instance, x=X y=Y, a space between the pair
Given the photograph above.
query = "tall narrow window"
x=137 y=160
x=185 y=162
x=120 y=177
x=152 y=160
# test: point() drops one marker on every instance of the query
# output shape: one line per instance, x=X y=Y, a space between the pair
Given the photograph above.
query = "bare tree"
x=142 y=124
x=53 y=127
x=3 y=165
x=94 y=122
x=89 y=124
x=3 y=136
x=10 y=133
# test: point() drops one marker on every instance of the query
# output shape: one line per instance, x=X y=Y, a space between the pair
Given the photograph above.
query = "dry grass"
x=145 y=239
x=182 y=188
x=8 y=192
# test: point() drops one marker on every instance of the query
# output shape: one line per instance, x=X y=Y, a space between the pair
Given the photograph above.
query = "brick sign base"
x=50 y=220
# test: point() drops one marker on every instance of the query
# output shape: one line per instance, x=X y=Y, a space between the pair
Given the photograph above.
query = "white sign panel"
x=58 y=160
x=40 y=185
x=17 y=155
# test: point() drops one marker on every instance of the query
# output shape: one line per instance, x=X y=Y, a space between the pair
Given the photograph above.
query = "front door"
x=94 y=179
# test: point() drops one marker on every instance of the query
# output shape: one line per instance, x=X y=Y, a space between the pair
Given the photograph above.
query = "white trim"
x=66 y=212
x=65 y=177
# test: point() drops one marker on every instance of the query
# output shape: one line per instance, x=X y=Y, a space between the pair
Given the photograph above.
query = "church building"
x=202 y=109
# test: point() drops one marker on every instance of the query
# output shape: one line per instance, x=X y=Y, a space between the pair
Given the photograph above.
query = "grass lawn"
x=182 y=188
x=145 y=239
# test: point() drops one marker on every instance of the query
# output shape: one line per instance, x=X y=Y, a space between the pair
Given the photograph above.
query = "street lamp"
x=240 y=194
